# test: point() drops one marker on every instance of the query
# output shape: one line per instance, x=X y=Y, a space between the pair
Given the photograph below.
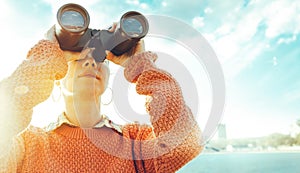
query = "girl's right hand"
x=33 y=80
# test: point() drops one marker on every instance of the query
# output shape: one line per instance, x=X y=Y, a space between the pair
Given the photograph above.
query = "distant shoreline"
x=252 y=152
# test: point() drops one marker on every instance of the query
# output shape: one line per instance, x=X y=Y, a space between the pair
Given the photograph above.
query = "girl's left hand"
x=122 y=60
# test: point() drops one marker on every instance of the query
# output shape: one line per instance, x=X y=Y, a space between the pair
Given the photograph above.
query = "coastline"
x=251 y=152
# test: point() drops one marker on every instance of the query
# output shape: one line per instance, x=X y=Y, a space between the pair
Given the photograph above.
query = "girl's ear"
x=57 y=83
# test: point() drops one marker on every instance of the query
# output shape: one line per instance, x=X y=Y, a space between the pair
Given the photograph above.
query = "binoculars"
x=73 y=34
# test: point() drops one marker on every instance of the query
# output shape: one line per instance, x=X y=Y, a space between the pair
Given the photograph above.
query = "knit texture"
x=173 y=139
x=30 y=84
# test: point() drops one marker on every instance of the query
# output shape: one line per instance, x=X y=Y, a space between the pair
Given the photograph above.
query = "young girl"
x=83 y=140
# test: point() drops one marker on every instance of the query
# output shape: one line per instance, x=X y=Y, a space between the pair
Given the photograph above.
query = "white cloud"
x=198 y=22
x=208 y=10
x=226 y=47
x=164 y=4
x=224 y=29
x=247 y=27
x=137 y=3
x=287 y=40
x=237 y=27
x=242 y=59
x=57 y=4
x=144 y=6
x=134 y=2
x=275 y=63
x=281 y=17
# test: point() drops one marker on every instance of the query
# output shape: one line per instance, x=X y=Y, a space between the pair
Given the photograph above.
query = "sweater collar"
x=62 y=119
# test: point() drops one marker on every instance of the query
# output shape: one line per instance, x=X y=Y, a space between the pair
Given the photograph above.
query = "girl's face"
x=85 y=76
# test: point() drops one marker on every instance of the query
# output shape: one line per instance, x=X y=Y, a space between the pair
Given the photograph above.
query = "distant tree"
x=298 y=122
x=297 y=139
x=277 y=139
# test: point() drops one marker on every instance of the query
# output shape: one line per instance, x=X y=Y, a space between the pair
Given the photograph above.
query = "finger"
x=71 y=56
x=140 y=47
x=50 y=35
x=113 y=27
x=86 y=53
x=109 y=55
x=154 y=58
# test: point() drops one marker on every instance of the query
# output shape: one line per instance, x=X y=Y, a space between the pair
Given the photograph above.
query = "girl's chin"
x=87 y=93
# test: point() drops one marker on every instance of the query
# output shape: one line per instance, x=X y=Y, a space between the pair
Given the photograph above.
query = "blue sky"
x=257 y=43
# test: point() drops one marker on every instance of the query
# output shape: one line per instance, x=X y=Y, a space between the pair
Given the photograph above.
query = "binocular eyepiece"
x=73 y=33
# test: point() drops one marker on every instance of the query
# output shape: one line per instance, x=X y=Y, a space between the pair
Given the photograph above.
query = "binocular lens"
x=72 y=20
x=132 y=27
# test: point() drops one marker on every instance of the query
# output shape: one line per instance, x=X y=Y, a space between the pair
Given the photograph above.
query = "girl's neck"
x=83 y=112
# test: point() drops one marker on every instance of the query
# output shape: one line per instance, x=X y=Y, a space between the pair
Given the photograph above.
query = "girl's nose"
x=89 y=63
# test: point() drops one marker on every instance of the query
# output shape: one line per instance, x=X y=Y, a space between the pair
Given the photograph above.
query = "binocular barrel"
x=73 y=22
x=73 y=32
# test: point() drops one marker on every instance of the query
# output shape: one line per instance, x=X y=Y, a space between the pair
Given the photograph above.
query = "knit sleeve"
x=176 y=136
x=12 y=155
x=30 y=84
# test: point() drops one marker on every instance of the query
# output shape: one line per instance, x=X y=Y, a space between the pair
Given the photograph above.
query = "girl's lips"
x=91 y=75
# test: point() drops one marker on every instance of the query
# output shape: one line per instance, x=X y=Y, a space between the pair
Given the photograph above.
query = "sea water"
x=244 y=163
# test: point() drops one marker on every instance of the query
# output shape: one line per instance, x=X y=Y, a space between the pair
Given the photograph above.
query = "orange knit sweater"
x=173 y=139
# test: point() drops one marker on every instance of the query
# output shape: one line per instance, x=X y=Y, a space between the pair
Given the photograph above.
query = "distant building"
x=222 y=131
